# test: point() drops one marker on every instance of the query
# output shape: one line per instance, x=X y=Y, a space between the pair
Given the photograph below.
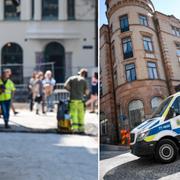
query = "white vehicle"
x=160 y=135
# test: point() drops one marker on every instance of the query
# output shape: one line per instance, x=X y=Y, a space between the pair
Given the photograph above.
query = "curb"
x=107 y=147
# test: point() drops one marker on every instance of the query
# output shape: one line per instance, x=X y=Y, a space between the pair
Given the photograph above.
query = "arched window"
x=49 y=9
x=155 y=102
x=12 y=58
x=103 y=124
x=136 y=113
x=12 y=9
x=71 y=13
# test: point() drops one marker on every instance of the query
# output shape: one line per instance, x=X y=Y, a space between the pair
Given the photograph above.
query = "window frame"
x=11 y=18
x=129 y=54
x=123 y=19
x=144 y=20
x=130 y=72
x=152 y=70
x=148 y=42
x=45 y=18
x=178 y=32
x=173 y=30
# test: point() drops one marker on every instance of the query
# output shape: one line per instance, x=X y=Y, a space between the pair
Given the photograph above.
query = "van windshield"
x=161 y=108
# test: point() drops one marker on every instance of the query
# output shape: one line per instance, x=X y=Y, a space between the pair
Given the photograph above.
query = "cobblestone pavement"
x=117 y=165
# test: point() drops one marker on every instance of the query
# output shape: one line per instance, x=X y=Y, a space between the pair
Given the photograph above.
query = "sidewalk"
x=27 y=121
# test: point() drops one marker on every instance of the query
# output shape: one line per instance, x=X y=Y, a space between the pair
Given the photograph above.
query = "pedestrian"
x=78 y=86
x=32 y=88
x=6 y=95
x=94 y=92
x=39 y=93
x=9 y=73
x=49 y=83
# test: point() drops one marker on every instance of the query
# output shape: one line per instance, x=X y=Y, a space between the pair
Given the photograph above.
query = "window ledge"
x=129 y=59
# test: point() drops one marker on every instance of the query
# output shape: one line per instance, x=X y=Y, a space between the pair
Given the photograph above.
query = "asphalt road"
x=27 y=156
x=117 y=165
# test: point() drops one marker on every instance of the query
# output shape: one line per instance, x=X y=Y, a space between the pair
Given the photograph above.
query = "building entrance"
x=54 y=52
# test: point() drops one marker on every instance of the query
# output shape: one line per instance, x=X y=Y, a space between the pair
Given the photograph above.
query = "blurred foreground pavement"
x=47 y=155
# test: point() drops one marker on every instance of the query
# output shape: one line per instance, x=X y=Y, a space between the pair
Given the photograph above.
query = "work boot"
x=82 y=133
x=75 y=133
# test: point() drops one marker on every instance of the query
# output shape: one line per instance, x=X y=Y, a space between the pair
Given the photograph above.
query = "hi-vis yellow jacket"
x=6 y=95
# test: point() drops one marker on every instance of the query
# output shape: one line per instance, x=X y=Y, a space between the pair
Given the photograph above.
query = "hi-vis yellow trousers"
x=76 y=109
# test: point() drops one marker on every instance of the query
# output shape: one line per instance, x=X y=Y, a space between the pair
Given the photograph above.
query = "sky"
x=167 y=7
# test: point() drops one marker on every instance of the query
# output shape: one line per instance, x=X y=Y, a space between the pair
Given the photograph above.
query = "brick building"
x=139 y=64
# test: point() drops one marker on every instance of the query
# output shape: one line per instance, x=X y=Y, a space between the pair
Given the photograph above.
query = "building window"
x=147 y=43
x=32 y=12
x=113 y=54
x=178 y=49
x=12 y=9
x=49 y=9
x=127 y=47
x=136 y=113
x=12 y=58
x=103 y=124
x=173 y=30
x=124 y=23
x=130 y=73
x=177 y=31
x=152 y=70
x=143 y=20
x=71 y=13
x=155 y=102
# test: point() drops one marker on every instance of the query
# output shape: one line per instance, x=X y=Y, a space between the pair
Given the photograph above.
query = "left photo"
x=49 y=89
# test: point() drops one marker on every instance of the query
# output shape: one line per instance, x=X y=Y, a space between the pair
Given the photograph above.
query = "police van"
x=160 y=135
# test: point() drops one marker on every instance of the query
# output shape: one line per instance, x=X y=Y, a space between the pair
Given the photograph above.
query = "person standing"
x=39 y=93
x=94 y=93
x=6 y=96
x=49 y=83
x=9 y=72
x=78 y=86
x=32 y=88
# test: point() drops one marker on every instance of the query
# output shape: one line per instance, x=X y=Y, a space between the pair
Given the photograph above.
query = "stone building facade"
x=139 y=64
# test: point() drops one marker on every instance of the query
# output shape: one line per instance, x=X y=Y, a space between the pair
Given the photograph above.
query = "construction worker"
x=6 y=94
x=78 y=86
x=8 y=71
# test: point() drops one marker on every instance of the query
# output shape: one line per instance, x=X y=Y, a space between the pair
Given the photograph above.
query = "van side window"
x=175 y=111
x=176 y=107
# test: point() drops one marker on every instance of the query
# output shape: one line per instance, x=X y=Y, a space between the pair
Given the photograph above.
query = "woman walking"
x=39 y=93
x=48 y=84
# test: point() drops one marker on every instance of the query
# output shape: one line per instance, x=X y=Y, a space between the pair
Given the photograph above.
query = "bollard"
x=123 y=132
x=128 y=136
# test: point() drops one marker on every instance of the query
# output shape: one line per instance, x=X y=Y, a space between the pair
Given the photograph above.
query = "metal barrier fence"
x=21 y=93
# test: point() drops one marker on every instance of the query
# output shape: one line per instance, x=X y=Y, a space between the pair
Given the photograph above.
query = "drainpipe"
x=114 y=94
x=164 y=65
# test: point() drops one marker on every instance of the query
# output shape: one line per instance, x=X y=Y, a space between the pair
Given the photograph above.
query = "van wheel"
x=166 y=151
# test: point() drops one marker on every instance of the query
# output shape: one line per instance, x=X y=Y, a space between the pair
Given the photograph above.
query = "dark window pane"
x=150 y=46
x=145 y=45
x=129 y=46
x=126 y=23
x=155 y=73
x=122 y=24
x=71 y=14
x=133 y=74
x=128 y=76
x=125 y=48
x=50 y=8
x=150 y=73
x=151 y=64
x=130 y=66
x=173 y=30
x=12 y=10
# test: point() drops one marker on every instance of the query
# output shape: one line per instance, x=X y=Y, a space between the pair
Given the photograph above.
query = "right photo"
x=139 y=75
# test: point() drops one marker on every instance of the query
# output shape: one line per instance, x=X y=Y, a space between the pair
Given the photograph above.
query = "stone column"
x=62 y=10
x=68 y=65
x=1 y=9
x=25 y=9
x=37 y=9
